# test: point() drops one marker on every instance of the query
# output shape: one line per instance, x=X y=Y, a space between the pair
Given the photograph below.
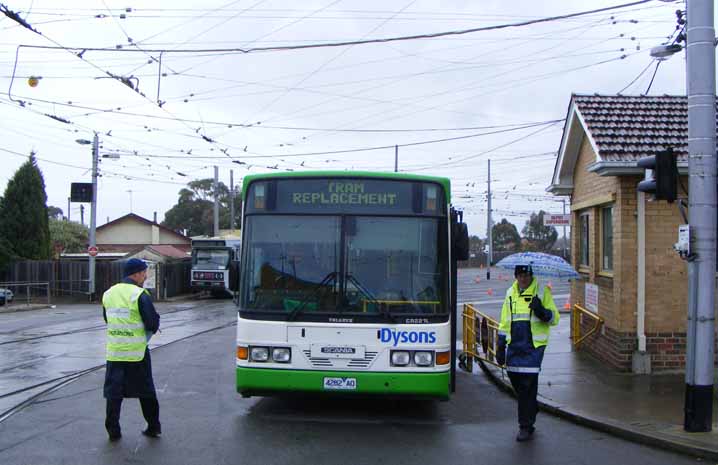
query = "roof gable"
x=138 y=218
x=622 y=129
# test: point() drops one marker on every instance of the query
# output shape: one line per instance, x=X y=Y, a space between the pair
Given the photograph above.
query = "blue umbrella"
x=542 y=264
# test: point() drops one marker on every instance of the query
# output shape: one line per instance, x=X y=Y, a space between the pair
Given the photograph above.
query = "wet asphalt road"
x=205 y=421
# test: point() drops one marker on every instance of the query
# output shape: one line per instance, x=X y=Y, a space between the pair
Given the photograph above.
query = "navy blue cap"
x=133 y=265
x=518 y=269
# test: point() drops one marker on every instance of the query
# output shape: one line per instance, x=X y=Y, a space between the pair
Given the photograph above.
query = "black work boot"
x=114 y=434
x=525 y=434
x=152 y=432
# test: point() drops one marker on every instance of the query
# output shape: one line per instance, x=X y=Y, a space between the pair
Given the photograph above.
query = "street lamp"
x=663 y=52
x=92 y=249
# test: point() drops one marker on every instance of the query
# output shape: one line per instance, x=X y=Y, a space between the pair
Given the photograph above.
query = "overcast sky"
x=495 y=93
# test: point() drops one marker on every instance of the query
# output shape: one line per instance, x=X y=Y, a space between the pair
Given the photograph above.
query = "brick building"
x=622 y=242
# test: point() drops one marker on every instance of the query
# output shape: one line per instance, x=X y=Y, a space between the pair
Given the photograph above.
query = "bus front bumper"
x=262 y=381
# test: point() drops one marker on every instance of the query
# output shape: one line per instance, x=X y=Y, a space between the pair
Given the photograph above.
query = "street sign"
x=92 y=251
x=81 y=192
x=556 y=220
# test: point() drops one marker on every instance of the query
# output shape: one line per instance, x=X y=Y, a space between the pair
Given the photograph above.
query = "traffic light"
x=664 y=175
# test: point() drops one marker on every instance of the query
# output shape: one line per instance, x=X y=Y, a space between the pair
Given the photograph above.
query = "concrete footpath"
x=642 y=408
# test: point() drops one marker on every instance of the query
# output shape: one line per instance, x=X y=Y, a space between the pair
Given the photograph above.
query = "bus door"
x=459 y=251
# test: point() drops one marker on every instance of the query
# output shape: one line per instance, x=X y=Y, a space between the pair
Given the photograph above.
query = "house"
x=622 y=242
x=132 y=233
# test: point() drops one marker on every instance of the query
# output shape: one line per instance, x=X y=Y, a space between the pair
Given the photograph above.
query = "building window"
x=583 y=240
x=607 y=238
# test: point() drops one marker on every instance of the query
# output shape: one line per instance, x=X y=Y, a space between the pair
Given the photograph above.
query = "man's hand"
x=542 y=313
x=501 y=355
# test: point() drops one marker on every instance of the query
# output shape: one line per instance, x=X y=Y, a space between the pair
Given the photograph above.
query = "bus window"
x=291 y=261
x=393 y=264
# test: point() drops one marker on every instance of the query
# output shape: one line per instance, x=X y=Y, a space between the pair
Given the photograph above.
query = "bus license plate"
x=344 y=384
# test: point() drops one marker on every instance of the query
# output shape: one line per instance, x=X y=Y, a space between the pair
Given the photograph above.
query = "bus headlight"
x=400 y=358
x=423 y=359
x=281 y=354
x=259 y=354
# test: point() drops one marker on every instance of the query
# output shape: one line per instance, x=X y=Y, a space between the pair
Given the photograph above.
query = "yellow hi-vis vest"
x=516 y=308
x=126 y=337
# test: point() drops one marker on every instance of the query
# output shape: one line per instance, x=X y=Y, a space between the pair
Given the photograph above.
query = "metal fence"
x=71 y=278
x=25 y=293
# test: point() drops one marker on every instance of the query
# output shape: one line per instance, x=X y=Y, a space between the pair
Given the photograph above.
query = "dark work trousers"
x=526 y=387
x=150 y=410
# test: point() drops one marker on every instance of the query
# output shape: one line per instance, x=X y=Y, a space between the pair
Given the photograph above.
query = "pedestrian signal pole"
x=93 y=213
x=489 y=227
x=701 y=89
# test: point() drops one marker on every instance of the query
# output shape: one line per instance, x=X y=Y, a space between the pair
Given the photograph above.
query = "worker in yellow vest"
x=131 y=321
x=526 y=319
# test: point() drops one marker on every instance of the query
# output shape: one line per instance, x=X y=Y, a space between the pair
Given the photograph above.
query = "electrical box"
x=683 y=246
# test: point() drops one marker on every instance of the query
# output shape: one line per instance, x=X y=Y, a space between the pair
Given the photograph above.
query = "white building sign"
x=591 y=297
x=557 y=220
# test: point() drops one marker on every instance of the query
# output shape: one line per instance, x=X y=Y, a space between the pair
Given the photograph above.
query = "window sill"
x=584 y=269
x=606 y=274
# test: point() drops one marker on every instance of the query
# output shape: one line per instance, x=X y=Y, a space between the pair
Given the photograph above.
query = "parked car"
x=7 y=295
x=2 y=300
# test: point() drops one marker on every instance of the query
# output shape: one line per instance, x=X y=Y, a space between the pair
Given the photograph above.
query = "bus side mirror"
x=461 y=242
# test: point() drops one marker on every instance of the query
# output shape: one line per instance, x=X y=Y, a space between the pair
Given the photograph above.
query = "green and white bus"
x=348 y=284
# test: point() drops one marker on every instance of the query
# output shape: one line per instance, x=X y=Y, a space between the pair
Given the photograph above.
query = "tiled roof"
x=169 y=251
x=626 y=128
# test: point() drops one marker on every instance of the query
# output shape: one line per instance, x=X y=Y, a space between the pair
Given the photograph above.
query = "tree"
x=505 y=236
x=538 y=237
x=23 y=215
x=54 y=212
x=71 y=236
x=194 y=210
x=476 y=245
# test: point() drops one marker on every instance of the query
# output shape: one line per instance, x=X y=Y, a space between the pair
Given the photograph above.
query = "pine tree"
x=23 y=215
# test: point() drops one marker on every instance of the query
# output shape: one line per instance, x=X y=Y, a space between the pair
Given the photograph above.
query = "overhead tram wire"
x=371 y=41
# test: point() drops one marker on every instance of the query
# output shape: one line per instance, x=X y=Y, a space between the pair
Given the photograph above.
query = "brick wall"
x=666 y=275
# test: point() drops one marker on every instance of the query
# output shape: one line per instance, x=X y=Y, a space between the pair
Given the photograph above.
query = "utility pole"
x=396 y=158
x=93 y=213
x=231 y=200
x=216 y=201
x=700 y=85
x=489 y=227
x=565 y=245
x=68 y=208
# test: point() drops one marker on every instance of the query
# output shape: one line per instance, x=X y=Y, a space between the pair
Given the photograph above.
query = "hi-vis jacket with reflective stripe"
x=126 y=336
x=516 y=315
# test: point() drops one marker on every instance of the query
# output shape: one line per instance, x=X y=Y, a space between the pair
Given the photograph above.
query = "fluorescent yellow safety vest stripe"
x=516 y=308
x=126 y=336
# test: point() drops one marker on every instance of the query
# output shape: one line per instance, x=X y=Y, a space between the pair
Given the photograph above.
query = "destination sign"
x=346 y=196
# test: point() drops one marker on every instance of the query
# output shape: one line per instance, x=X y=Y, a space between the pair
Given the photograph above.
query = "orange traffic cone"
x=477 y=280
x=490 y=291
x=567 y=305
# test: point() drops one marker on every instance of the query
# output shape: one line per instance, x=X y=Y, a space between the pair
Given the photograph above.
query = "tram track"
x=91 y=328
x=63 y=381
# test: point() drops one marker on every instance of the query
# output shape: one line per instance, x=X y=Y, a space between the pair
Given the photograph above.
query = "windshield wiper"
x=300 y=307
x=367 y=293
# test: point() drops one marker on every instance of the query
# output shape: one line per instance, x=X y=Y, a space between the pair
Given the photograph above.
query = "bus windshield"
x=344 y=265
x=218 y=258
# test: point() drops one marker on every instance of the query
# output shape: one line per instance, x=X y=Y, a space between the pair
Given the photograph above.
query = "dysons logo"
x=404 y=337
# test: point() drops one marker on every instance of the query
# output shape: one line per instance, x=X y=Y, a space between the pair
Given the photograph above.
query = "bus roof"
x=445 y=182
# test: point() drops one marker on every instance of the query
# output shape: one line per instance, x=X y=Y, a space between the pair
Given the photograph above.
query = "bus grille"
x=341 y=362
